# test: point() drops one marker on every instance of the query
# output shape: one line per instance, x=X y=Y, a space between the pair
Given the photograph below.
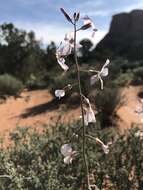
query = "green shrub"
x=138 y=76
x=61 y=80
x=34 y=162
x=106 y=102
x=124 y=79
x=35 y=82
x=9 y=85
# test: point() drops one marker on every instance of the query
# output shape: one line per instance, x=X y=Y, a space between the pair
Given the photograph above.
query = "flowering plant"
x=65 y=48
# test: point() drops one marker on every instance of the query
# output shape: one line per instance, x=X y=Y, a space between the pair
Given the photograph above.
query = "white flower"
x=70 y=41
x=68 y=153
x=89 y=116
x=105 y=148
x=139 y=134
x=103 y=73
x=59 y=93
x=93 y=79
x=86 y=21
x=104 y=70
x=61 y=62
x=63 y=51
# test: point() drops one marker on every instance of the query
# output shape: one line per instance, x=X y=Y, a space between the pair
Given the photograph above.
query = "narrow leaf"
x=74 y=16
x=77 y=17
x=66 y=15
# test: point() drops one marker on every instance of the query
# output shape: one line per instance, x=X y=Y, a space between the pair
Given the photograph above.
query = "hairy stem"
x=82 y=110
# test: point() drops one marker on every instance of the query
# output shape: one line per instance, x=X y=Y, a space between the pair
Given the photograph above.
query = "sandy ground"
x=129 y=112
x=32 y=109
x=35 y=107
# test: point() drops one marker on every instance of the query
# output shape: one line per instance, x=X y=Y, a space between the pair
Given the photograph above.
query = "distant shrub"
x=59 y=80
x=138 y=76
x=35 y=82
x=124 y=79
x=106 y=103
x=9 y=85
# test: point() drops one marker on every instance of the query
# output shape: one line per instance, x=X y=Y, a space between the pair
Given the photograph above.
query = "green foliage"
x=138 y=75
x=124 y=79
x=35 y=82
x=61 y=80
x=106 y=102
x=34 y=161
x=9 y=85
x=21 y=55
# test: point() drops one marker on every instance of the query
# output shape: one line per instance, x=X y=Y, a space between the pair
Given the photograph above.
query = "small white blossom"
x=86 y=21
x=59 y=93
x=93 y=79
x=89 y=116
x=61 y=62
x=105 y=148
x=104 y=70
x=103 y=73
x=68 y=153
x=63 y=51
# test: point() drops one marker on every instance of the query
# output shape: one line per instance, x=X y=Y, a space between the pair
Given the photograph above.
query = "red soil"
x=12 y=109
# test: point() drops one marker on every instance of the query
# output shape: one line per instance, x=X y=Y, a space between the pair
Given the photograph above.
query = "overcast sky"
x=44 y=16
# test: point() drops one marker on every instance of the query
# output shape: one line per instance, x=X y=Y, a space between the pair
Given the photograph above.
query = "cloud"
x=136 y=5
x=90 y=4
x=101 y=13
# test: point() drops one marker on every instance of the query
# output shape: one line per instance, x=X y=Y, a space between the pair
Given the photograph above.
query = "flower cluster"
x=65 y=48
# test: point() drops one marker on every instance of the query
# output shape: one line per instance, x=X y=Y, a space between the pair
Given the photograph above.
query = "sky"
x=48 y=23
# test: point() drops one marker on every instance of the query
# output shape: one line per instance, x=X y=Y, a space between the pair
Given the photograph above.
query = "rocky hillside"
x=125 y=36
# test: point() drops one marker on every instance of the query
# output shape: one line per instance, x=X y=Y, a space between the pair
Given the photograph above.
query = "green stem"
x=82 y=110
x=91 y=137
x=5 y=176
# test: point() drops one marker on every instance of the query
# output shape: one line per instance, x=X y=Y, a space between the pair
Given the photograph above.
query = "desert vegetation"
x=89 y=153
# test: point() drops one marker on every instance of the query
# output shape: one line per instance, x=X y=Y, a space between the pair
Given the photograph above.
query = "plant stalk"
x=82 y=110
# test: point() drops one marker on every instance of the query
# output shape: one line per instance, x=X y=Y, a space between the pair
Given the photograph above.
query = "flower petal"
x=93 y=79
x=68 y=160
x=89 y=116
x=64 y=49
x=61 y=62
x=66 y=150
x=59 y=93
x=104 y=72
x=106 y=63
x=105 y=148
